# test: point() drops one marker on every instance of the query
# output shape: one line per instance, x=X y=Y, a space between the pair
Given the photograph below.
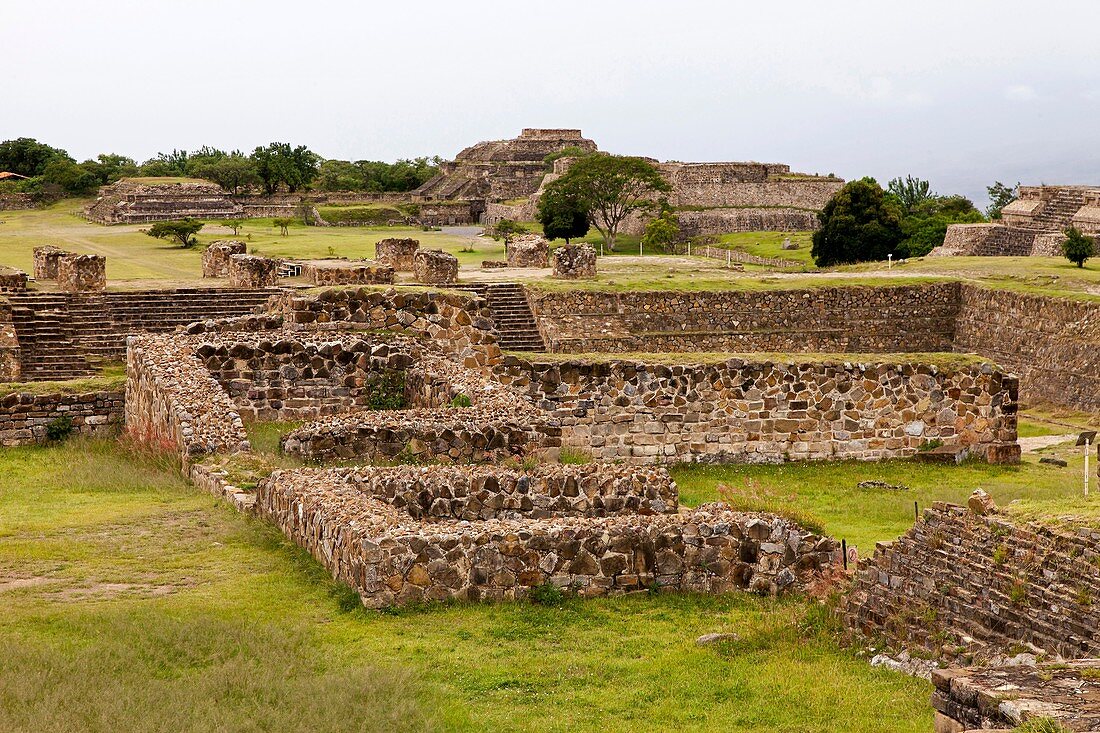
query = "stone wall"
x=365 y=533
x=251 y=272
x=911 y=318
x=724 y=221
x=961 y=585
x=16 y=201
x=1052 y=344
x=25 y=417
x=284 y=376
x=81 y=273
x=435 y=267
x=133 y=202
x=45 y=262
x=12 y=280
x=737 y=185
x=172 y=400
x=347 y=272
x=531 y=250
x=397 y=253
x=215 y=258
x=574 y=262
x=9 y=345
x=765 y=411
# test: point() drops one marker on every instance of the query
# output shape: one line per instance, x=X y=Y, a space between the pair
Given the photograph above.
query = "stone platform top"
x=1005 y=697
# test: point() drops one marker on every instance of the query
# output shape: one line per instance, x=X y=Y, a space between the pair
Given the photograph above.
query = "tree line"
x=269 y=168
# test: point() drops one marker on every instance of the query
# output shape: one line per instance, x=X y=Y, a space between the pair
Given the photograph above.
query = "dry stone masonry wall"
x=574 y=262
x=768 y=411
x=531 y=250
x=45 y=262
x=369 y=539
x=24 y=417
x=81 y=273
x=347 y=272
x=251 y=272
x=435 y=267
x=12 y=280
x=397 y=253
x=215 y=258
x=10 y=367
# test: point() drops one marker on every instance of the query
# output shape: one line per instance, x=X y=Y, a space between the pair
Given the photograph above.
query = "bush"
x=388 y=393
x=59 y=429
x=858 y=224
x=461 y=400
x=505 y=229
x=183 y=231
x=1078 y=248
x=1042 y=725
x=547 y=594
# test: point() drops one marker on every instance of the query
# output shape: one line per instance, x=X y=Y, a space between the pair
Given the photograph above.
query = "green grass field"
x=127 y=597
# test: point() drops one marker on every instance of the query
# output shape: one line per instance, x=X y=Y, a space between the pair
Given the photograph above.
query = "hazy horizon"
x=961 y=94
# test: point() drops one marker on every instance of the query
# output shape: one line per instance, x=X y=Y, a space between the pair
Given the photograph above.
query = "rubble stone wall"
x=81 y=273
x=253 y=273
x=347 y=272
x=744 y=411
x=390 y=557
x=910 y=318
x=532 y=250
x=1001 y=583
x=45 y=262
x=1052 y=344
x=435 y=267
x=25 y=417
x=574 y=262
x=283 y=377
x=215 y=258
x=12 y=280
x=725 y=221
x=397 y=253
x=10 y=365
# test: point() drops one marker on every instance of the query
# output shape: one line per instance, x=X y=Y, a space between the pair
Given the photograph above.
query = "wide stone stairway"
x=512 y=315
x=60 y=334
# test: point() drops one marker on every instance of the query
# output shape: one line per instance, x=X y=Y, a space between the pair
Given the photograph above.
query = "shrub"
x=1078 y=248
x=858 y=224
x=59 y=428
x=574 y=456
x=461 y=400
x=547 y=594
x=505 y=229
x=183 y=231
x=930 y=445
x=388 y=393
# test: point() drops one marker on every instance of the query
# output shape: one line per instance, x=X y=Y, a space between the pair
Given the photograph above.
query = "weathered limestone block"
x=347 y=272
x=45 y=262
x=12 y=280
x=215 y=260
x=397 y=253
x=82 y=273
x=574 y=261
x=251 y=272
x=435 y=267
x=531 y=250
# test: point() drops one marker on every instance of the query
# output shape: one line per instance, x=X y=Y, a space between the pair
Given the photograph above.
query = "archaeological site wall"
x=1051 y=343
x=960 y=585
x=25 y=417
x=919 y=318
x=366 y=536
x=762 y=411
x=10 y=362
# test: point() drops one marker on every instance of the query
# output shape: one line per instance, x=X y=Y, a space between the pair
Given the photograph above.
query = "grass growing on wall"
x=130 y=596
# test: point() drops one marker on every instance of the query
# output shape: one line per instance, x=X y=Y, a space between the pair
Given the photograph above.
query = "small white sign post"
x=1086 y=440
x=889 y=261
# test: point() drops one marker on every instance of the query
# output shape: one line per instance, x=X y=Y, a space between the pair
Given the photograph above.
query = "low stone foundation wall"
x=961 y=585
x=81 y=273
x=215 y=258
x=726 y=221
x=10 y=365
x=435 y=267
x=392 y=558
x=12 y=280
x=531 y=250
x=24 y=418
x=45 y=261
x=745 y=411
x=347 y=272
x=574 y=262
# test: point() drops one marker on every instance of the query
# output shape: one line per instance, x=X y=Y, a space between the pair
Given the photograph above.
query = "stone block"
x=12 y=280
x=45 y=262
x=252 y=272
x=531 y=250
x=81 y=273
x=215 y=259
x=435 y=267
x=397 y=253
x=574 y=261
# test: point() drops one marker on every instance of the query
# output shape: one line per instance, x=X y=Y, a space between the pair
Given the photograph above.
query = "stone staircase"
x=61 y=334
x=512 y=315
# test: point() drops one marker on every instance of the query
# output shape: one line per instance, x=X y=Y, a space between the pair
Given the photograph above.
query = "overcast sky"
x=960 y=92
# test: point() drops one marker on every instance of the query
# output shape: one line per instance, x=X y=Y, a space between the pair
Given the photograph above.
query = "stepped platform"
x=512 y=315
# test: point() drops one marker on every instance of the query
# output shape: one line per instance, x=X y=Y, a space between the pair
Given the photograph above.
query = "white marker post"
x=1086 y=440
x=889 y=261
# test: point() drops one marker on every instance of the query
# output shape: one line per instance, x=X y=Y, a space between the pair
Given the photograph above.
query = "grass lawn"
x=828 y=493
x=770 y=244
x=128 y=596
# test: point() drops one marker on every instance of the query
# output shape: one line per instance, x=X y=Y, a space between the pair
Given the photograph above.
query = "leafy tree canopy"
x=182 y=231
x=562 y=216
x=661 y=232
x=279 y=164
x=1077 y=247
x=28 y=157
x=858 y=224
x=1000 y=196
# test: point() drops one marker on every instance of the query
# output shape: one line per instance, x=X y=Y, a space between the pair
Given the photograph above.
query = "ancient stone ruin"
x=346 y=272
x=252 y=272
x=215 y=259
x=140 y=202
x=12 y=280
x=1033 y=224
x=397 y=253
x=435 y=267
x=574 y=261
x=529 y=250
x=81 y=273
x=45 y=262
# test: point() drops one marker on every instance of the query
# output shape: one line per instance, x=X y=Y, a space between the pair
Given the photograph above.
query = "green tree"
x=1000 y=196
x=925 y=226
x=611 y=188
x=1077 y=247
x=109 y=167
x=70 y=177
x=182 y=231
x=910 y=192
x=235 y=224
x=167 y=164
x=562 y=216
x=232 y=172
x=661 y=232
x=283 y=224
x=279 y=164
x=858 y=224
x=505 y=229
x=28 y=157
